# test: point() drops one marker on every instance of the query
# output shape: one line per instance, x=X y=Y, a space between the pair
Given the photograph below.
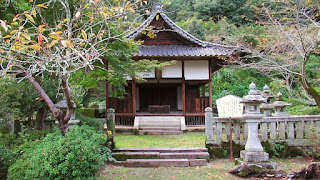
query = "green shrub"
x=89 y=121
x=88 y=112
x=7 y=158
x=77 y=155
x=303 y=110
x=10 y=140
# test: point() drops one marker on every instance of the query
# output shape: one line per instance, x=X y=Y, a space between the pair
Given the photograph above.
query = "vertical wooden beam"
x=107 y=89
x=210 y=85
x=133 y=84
x=183 y=89
x=107 y=95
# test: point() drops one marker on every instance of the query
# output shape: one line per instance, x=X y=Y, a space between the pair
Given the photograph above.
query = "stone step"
x=158 y=125
x=185 y=155
x=122 y=156
x=160 y=128
x=159 y=118
x=157 y=162
x=159 y=132
x=162 y=149
x=164 y=162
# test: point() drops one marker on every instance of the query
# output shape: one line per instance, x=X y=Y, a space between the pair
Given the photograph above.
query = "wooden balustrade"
x=195 y=120
x=196 y=105
x=295 y=130
x=125 y=120
x=121 y=105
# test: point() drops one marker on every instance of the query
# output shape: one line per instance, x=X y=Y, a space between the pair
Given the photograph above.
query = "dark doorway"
x=164 y=95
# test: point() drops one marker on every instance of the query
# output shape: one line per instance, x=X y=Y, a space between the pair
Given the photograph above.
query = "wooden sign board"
x=229 y=106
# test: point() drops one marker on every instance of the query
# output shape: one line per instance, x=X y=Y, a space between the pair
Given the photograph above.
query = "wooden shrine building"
x=179 y=89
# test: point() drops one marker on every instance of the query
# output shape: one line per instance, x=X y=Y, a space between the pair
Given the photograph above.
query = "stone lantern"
x=267 y=107
x=62 y=105
x=280 y=107
x=253 y=149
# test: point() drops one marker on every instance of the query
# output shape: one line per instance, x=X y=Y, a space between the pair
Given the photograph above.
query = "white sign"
x=229 y=106
x=145 y=75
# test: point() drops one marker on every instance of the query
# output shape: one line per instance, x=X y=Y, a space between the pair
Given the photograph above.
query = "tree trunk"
x=41 y=115
x=62 y=119
x=311 y=91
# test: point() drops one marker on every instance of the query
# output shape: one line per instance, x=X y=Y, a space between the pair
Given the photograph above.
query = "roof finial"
x=157 y=6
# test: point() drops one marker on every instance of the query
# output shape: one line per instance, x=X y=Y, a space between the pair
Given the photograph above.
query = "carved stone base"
x=259 y=156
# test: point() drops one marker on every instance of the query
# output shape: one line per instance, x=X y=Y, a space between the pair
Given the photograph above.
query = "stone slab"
x=267 y=164
x=147 y=149
x=247 y=156
x=159 y=132
x=197 y=162
x=122 y=156
x=162 y=149
x=189 y=149
x=185 y=155
x=157 y=163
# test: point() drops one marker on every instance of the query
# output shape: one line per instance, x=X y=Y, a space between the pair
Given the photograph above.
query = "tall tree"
x=292 y=42
x=72 y=38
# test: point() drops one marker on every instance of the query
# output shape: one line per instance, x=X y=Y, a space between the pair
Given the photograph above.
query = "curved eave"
x=185 y=35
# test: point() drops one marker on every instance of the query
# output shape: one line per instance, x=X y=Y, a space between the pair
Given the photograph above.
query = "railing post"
x=111 y=127
x=209 y=125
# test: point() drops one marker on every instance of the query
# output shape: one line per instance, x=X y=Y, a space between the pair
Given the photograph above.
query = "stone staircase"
x=156 y=157
x=160 y=125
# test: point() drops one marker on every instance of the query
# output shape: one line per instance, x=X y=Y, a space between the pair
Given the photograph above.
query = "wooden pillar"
x=107 y=89
x=133 y=84
x=183 y=89
x=107 y=95
x=210 y=85
x=210 y=93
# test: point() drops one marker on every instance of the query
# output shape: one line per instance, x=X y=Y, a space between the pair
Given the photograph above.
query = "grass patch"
x=182 y=140
x=216 y=169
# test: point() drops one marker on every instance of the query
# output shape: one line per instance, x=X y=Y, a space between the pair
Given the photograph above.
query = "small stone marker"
x=229 y=106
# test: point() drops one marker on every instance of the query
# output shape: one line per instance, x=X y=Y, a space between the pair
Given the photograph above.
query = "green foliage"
x=194 y=26
x=89 y=121
x=77 y=155
x=237 y=11
x=303 y=110
x=12 y=147
x=7 y=158
x=315 y=144
x=236 y=82
x=276 y=149
x=88 y=112
x=20 y=101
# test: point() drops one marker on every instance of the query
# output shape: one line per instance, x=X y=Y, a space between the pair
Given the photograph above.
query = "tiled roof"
x=201 y=48
x=184 y=50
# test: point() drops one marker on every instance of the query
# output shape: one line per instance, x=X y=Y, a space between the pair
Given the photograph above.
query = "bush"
x=6 y=159
x=88 y=112
x=89 y=121
x=77 y=155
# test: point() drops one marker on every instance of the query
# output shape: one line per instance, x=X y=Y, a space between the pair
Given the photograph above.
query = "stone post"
x=111 y=121
x=209 y=125
x=253 y=149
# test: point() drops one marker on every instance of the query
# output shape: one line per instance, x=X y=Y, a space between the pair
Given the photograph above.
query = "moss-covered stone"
x=216 y=151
